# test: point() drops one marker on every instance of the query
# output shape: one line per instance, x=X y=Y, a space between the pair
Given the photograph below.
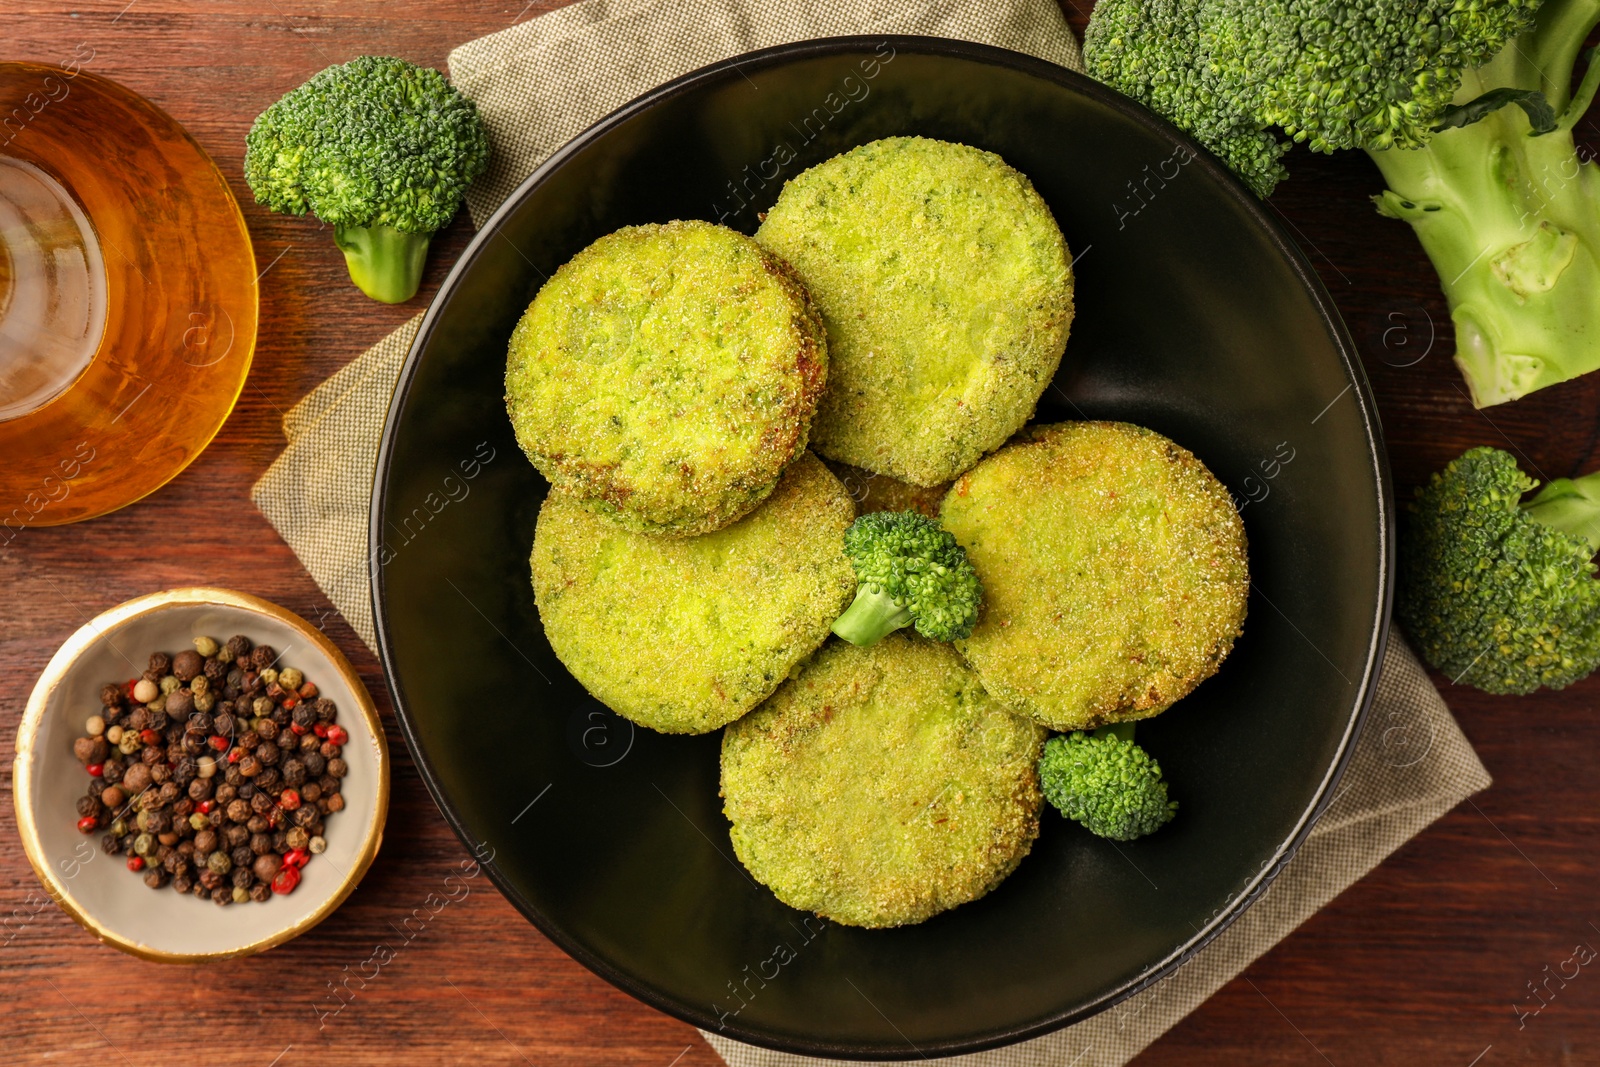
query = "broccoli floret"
x=1498 y=592
x=1497 y=194
x=1106 y=782
x=909 y=571
x=380 y=149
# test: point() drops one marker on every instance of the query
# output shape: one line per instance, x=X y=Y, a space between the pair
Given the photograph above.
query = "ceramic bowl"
x=97 y=889
x=1196 y=317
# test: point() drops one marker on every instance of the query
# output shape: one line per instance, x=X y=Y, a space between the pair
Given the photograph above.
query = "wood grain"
x=1421 y=962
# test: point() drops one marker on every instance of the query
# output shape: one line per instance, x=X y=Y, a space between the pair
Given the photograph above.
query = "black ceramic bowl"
x=1196 y=317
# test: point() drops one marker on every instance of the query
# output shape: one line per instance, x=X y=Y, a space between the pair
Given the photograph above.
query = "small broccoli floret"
x=909 y=571
x=1497 y=592
x=380 y=149
x=1106 y=782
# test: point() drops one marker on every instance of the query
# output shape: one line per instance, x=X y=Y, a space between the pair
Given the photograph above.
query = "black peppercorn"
x=187 y=664
x=111 y=695
x=261 y=892
x=138 y=718
x=111 y=771
x=294 y=772
x=232 y=776
x=242 y=876
x=180 y=704
x=155 y=878
x=304 y=815
x=269 y=780
x=315 y=764
x=88 y=806
x=267 y=729
x=160 y=663
x=267 y=753
x=200 y=789
x=186 y=770
x=183 y=883
x=236 y=835
x=215 y=670
x=305 y=715
x=250 y=766
x=263 y=657
x=156 y=720
x=326 y=711
x=242 y=857
x=261 y=803
x=238 y=810
x=222 y=895
x=110 y=845
x=226 y=792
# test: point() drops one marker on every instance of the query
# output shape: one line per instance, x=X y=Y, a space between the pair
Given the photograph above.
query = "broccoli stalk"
x=385 y=263
x=909 y=572
x=1496 y=591
x=380 y=149
x=1510 y=216
x=1106 y=782
x=1465 y=106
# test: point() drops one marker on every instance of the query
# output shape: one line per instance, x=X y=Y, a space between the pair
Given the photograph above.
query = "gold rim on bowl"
x=56 y=671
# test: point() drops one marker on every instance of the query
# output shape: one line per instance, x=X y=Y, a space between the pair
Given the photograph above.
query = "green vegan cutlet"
x=1114 y=572
x=666 y=375
x=946 y=289
x=882 y=785
x=684 y=634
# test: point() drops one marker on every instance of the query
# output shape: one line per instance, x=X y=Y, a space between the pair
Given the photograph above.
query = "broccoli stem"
x=385 y=263
x=1571 y=505
x=1512 y=221
x=871 y=617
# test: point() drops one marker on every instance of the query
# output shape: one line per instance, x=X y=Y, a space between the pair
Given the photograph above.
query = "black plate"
x=1196 y=317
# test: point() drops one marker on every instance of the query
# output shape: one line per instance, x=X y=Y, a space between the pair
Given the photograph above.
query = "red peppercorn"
x=288 y=800
x=297 y=728
x=96 y=769
x=219 y=742
x=321 y=729
x=150 y=737
x=88 y=824
x=236 y=755
x=289 y=703
x=205 y=806
x=285 y=880
x=296 y=857
x=135 y=863
x=338 y=734
x=309 y=691
x=127 y=687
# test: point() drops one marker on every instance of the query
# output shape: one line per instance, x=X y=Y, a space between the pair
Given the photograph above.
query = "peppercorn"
x=219 y=862
x=155 y=878
x=297 y=837
x=110 y=695
x=311 y=792
x=338 y=768
x=326 y=710
x=232 y=777
x=269 y=779
x=136 y=778
x=169 y=791
x=286 y=879
x=216 y=671
x=238 y=810
x=266 y=729
x=315 y=763
x=266 y=753
x=161 y=774
x=225 y=793
x=160 y=663
x=329 y=805
x=187 y=664
x=180 y=704
x=329 y=784
x=236 y=646
x=222 y=895
x=114 y=734
x=235 y=835
x=304 y=716
x=242 y=858
x=261 y=892
x=222 y=724
x=249 y=766
x=183 y=883
x=262 y=657
x=304 y=815
x=89 y=806
x=205 y=766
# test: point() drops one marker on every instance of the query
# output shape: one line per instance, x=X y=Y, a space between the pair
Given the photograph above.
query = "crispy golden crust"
x=882 y=785
x=946 y=288
x=1114 y=571
x=666 y=375
x=685 y=634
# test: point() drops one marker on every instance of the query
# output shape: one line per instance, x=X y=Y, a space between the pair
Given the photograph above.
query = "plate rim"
x=1333 y=323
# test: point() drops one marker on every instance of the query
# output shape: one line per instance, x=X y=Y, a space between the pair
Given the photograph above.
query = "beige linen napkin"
x=539 y=83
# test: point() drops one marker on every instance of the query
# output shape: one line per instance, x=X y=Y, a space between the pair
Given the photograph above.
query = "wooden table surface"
x=1423 y=962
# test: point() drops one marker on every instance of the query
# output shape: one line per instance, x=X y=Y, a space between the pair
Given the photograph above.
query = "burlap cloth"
x=543 y=81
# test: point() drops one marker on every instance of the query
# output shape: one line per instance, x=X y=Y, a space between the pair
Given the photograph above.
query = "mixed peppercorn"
x=214 y=771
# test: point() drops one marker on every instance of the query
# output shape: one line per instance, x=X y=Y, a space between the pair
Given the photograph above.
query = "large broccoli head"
x=1496 y=592
x=1106 y=782
x=1328 y=73
x=909 y=571
x=382 y=150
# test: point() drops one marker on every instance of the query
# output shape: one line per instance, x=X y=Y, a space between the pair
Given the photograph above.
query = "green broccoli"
x=1498 y=195
x=1106 y=782
x=380 y=149
x=1496 y=591
x=909 y=570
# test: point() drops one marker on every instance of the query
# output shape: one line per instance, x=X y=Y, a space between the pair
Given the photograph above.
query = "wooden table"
x=1420 y=963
